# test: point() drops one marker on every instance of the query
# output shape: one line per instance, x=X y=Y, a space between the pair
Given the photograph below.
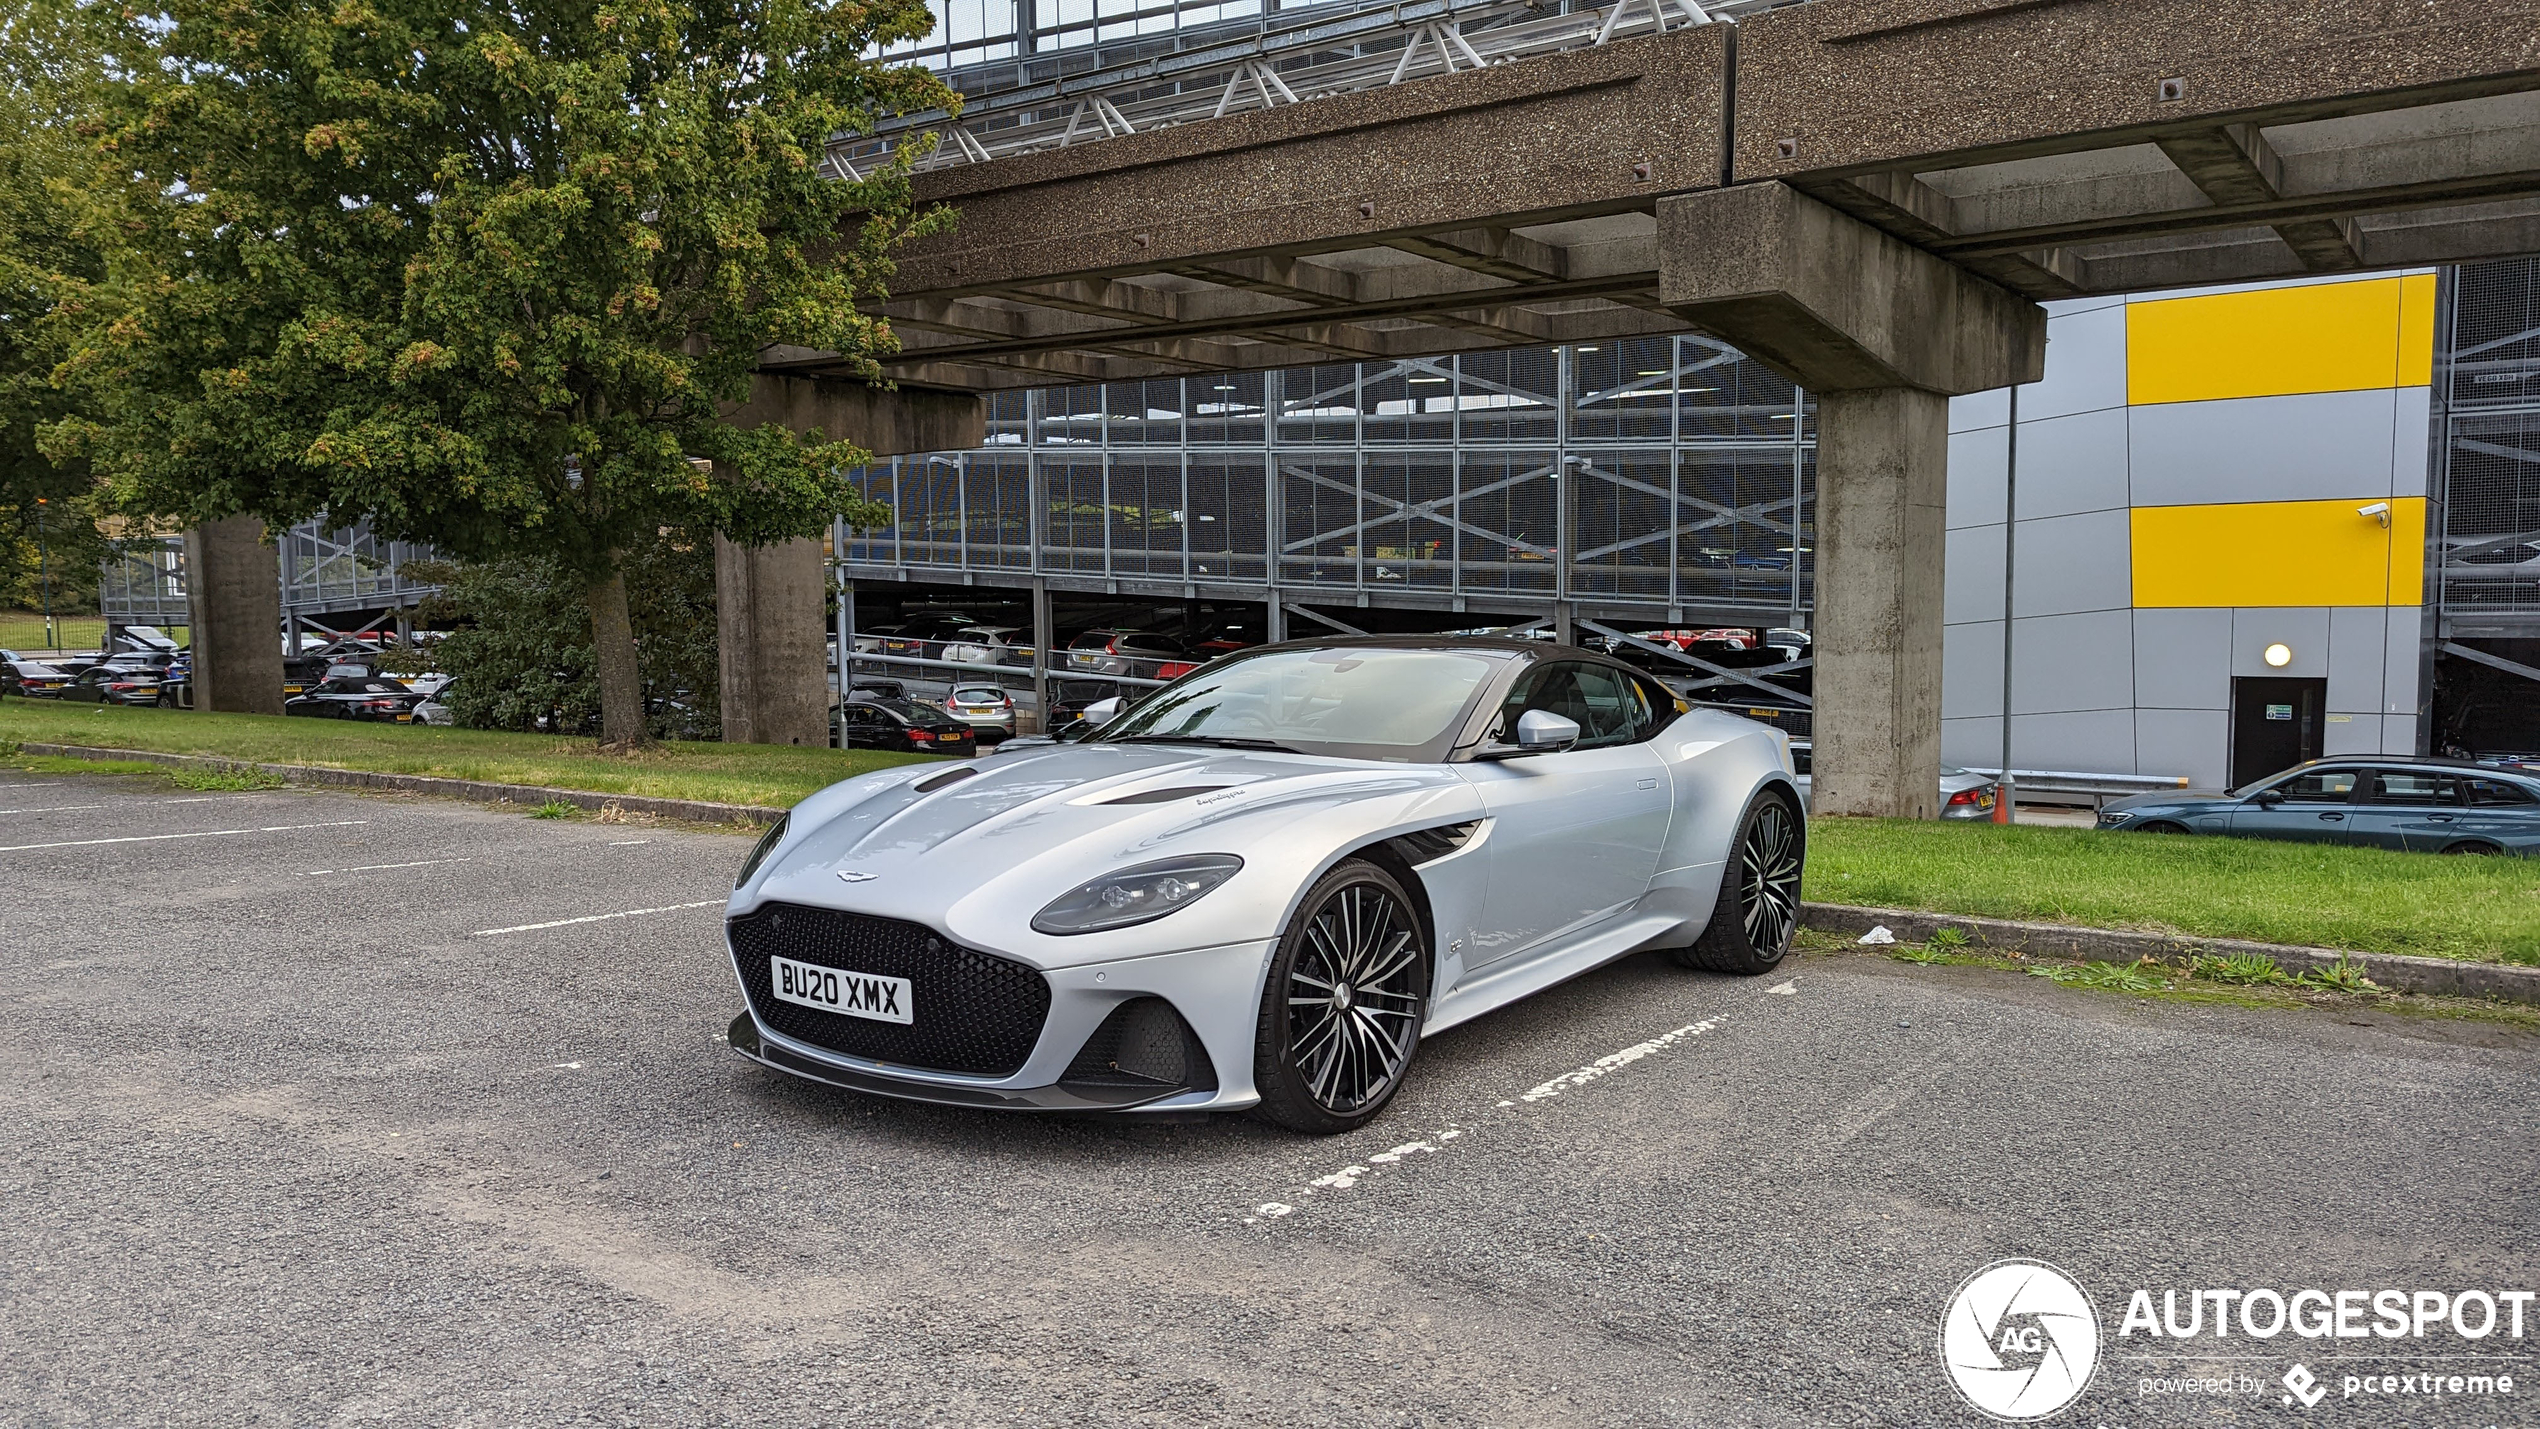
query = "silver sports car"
x=1263 y=884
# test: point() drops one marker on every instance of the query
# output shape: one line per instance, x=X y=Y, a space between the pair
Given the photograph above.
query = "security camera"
x=2378 y=508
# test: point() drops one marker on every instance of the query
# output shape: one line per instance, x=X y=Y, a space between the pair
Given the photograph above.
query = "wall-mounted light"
x=2378 y=508
x=2278 y=655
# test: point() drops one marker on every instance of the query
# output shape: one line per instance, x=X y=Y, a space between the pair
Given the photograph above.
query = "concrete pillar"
x=233 y=591
x=771 y=602
x=1883 y=334
x=1882 y=488
x=770 y=608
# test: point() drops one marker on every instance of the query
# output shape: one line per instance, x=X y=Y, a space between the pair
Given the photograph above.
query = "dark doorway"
x=2275 y=724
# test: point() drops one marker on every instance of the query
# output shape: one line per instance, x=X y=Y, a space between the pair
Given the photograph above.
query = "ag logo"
x=2019 y=1340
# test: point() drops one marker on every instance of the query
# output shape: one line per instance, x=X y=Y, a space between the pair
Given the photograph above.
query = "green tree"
x=489 y=275
x=56 y=240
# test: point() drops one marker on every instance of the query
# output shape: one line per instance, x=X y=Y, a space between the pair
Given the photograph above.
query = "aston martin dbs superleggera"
x=1263 y=884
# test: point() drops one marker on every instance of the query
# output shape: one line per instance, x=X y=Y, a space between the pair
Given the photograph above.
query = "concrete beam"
x=1835 y=304
x=233 y=590
x=883 y=421
x=770 y=617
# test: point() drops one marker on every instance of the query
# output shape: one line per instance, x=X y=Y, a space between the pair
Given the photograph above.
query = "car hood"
x=2160 y=800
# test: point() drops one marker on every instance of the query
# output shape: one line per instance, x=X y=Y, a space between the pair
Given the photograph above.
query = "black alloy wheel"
x=1757 y=915
x=1348 y=990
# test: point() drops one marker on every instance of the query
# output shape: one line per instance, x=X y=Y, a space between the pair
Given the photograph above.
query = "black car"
x=2378 y=801
x=31 y=679
x=905 y=724
x=1070 y=698
x=107 y=685
x=368 y=698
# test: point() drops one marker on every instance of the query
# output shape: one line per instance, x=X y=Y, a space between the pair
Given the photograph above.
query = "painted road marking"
x=596 y=917
x=204 y=834
x=127 y=803
x=629 y=843
x=1434 y=1143
x=57 y=809
x=376 y=867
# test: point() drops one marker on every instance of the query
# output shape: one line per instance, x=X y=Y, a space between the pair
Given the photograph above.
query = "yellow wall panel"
x=2262 y=553
x=2272 y=342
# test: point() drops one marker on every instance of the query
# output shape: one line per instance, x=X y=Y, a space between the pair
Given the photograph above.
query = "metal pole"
x=2006 y=796
x=845 y=625
x=1798 y=459
x=1041 y=653
x=44 y=566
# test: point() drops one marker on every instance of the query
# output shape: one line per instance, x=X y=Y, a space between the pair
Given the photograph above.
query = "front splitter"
x=745 y=1039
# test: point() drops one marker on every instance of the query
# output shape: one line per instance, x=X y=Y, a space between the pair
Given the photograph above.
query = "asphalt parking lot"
x=329 y=1108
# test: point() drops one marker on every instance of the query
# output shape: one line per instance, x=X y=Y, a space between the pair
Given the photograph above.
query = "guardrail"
x=2099 y=787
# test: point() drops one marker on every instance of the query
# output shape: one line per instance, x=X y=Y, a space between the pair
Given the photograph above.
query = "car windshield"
x=1355 y=701
x=978 y=694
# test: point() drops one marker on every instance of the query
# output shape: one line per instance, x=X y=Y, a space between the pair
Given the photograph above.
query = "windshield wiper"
x=1217 y=741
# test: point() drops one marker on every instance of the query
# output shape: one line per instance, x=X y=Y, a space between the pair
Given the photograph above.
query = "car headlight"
x=2115 y=816
x=767 y=843
x=1136 y=895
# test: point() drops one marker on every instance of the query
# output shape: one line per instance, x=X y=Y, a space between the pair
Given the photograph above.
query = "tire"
x=2482 y=849
x=1341 y=1010
x=2160 y=826
x=1757 y=915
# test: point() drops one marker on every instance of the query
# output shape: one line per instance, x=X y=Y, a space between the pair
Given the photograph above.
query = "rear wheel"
x=2474 y=848
x=1341 y=1014
x=2162 y=826
x=1757 y=914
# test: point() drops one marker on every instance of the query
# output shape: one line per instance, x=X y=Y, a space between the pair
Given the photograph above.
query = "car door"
x=864 y=727
x=1574 y=836
x=2503 y=812
x=2407 y=809
x=2312 y=806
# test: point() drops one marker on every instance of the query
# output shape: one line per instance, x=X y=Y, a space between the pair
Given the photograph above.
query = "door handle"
x=2439 y=818
x=2333 y=818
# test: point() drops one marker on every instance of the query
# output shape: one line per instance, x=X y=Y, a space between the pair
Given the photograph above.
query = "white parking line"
x=1434 y=1143
x=629 y=843
x=204 y=834
x=376 y=867
x=77 y=808
x=597 y=917
x=57 y=809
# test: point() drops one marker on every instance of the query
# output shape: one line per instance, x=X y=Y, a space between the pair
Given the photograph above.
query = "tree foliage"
x=490 y=276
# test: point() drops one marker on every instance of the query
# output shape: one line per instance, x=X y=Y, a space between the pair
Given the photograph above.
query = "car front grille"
x=975 y=1013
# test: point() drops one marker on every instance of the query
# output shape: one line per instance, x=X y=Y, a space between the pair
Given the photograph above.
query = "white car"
x=1262 y=886
x=433 y=710
x=986 y=645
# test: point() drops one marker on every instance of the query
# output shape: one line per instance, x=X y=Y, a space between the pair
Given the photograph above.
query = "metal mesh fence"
x=2488 y=550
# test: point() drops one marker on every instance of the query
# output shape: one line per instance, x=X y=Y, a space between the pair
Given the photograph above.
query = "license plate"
x=403 y=718
x=851 y=994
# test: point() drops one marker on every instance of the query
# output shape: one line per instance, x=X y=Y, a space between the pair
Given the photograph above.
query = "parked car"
x=1963 y=794
x=924 y=634
x=880 y=689
x=383 y=700
x=987 y=645
x=104 y=684
x=987 y=709
x=2379 y=801
x=1142 y=654
x=30 y=679
x=906 y=725
x=1069 y=699
x=434 y=707
x=301 y=672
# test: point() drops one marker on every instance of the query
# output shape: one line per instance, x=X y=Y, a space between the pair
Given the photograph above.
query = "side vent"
x=1430 y=845
x=943 y=780
x=1165 y=796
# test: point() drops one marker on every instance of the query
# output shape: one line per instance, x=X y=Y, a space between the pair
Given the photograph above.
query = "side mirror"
x=2269 y=798
x=1543 y=732
x=1103 y=711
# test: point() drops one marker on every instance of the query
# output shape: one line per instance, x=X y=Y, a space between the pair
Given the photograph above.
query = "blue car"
x=2379 y=801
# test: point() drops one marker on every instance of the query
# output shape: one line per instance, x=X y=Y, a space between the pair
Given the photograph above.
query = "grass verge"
x=2318 y=895
x=721 y=773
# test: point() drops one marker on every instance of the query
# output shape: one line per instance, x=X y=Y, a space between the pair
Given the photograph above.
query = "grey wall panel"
x=2309 y=447
x=1976 y=462
x=1971 y=743
x=2067 y=564
x=2399 y=734
x=2196 y=743
x=2304 y=628
x=1971 y=576
x=2072 y=464
x=2351 y=733
x=2355 y=664
x=2182 y=659
x=2402 y=646
x=2085 y=365
x=2073 y=662
x=2411 y=441
x=1980 y=409
x=2085 y=741
x=1971 y=670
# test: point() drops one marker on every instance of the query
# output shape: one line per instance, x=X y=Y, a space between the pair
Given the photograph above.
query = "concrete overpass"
x=1869 y=195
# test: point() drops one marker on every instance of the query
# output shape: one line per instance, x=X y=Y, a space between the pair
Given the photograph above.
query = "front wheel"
x=1757 y=915
x=1341 y=1013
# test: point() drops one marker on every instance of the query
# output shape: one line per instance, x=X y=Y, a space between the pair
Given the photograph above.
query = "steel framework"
x=2487 y=453
x=1651 y=479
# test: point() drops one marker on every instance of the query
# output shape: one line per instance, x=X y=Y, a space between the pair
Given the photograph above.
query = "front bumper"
x=1216 y=991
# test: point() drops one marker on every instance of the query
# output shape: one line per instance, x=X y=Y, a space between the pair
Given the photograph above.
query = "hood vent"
x=1166 y=796
x=944 y=780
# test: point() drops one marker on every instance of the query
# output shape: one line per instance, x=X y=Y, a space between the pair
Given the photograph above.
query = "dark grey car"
x=2378 y=801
